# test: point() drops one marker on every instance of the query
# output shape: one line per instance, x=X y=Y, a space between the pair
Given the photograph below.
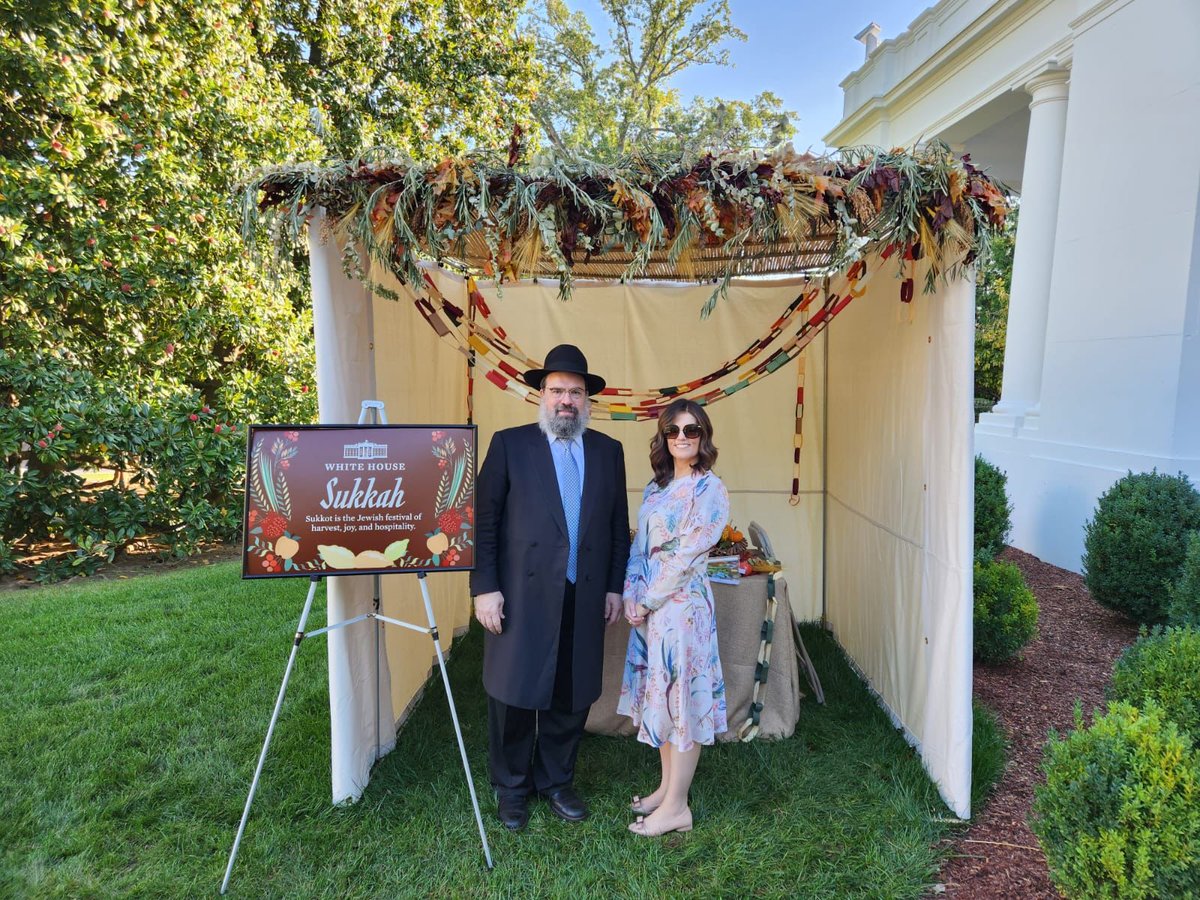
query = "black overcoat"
x=521 y=550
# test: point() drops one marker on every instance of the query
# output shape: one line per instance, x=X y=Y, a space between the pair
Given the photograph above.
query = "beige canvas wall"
x=899 y=530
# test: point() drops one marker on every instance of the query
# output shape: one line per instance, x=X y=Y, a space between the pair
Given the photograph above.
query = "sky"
x=798 y=49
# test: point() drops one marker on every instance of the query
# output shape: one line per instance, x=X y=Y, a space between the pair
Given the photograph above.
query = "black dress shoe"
x=566 y=804
x=513 y=811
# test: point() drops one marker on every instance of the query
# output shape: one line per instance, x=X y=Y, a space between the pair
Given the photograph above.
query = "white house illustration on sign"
x=364 y=450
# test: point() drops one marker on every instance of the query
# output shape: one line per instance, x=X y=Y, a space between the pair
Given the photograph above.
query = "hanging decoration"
x=502 y=361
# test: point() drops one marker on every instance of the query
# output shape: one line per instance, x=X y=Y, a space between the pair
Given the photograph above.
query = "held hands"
x=612 y=608
x=489 y=610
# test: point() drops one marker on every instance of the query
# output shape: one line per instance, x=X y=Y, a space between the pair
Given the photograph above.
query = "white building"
x=1090 y=110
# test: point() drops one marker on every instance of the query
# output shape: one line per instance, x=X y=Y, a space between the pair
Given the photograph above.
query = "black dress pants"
x=535 y=749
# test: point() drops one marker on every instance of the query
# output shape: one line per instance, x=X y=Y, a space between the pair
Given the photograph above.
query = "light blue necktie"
x=570 y=500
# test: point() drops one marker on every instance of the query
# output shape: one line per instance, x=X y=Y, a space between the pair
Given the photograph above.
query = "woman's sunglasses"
x=671 y=432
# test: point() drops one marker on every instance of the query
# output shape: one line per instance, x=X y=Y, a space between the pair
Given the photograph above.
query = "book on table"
x=724 y=569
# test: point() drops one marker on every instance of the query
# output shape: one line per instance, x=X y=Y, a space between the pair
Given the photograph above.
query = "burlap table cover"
x=740 y=610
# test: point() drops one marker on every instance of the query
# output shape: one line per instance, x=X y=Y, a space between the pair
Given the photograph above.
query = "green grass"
x=134 y=712
x=989 y=752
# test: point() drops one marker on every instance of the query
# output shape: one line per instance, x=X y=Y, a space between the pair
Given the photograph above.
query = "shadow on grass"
x=137 y=711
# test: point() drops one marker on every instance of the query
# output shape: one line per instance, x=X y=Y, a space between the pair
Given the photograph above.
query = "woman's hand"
x=635 y=613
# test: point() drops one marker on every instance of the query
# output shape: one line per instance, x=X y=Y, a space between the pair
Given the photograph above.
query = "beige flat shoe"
x=638 y=806
x=641 y=827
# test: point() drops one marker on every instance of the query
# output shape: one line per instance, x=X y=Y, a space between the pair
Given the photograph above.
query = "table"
x=740 y=611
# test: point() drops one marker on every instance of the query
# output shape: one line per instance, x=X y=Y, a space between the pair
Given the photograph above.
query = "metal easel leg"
x=462 y=747
x=262 y=757
x=378 y=628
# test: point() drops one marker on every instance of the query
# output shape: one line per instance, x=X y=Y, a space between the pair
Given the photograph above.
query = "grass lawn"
x=134 y=712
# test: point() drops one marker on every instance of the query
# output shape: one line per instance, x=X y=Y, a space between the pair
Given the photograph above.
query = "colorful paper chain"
x=499 y=353
x=502 y=360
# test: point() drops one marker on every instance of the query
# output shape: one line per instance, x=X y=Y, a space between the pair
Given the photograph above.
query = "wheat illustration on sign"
x=268 y=520
x=455 y=516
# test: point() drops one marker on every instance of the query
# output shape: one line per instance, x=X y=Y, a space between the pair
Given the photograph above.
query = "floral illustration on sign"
x=452 y=511
x=270 y=513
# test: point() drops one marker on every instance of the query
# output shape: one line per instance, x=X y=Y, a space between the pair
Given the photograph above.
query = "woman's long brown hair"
x=661 y=460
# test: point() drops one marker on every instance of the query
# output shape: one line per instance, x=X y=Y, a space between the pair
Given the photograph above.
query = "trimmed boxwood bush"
x=993 y=512
x=1163 y=666
x=1136 y=542
x=1006 y=611
x=1119 y=814
x=1183 y=608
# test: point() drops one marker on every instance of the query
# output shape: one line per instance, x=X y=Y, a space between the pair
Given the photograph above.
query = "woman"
x=673 y=688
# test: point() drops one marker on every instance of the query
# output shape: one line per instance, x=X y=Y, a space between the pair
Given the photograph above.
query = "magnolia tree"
x=137 y=335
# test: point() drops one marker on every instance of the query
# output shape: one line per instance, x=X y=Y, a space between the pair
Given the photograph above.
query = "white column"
x=1033 y=260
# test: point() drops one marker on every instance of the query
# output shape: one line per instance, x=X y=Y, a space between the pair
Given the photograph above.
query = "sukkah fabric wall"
x=894 y=573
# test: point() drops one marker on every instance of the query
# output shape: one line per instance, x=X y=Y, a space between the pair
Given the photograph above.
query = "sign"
x=354 y=500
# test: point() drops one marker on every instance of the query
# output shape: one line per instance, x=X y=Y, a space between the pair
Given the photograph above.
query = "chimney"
x=869 y=37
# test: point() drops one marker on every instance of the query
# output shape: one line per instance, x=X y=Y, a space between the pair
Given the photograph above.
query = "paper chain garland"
x=503 y=360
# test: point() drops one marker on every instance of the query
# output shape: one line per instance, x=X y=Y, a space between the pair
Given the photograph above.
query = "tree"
x=992 y=287
x=607 y=103
x=424 y=77
x=129 y=297
x=136 y=331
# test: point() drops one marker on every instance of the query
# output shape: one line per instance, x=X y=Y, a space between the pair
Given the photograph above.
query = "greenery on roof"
x=710 y=217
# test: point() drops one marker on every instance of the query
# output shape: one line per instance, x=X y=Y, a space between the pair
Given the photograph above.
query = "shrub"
x=1183 y=607
x=1006 y=611
x=177 y=461
x=1135 y=543
x=1119 y=814
x=993 y=512
x=1163 y=666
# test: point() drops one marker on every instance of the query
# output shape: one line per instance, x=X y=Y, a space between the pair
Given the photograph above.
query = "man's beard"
x=565 y=427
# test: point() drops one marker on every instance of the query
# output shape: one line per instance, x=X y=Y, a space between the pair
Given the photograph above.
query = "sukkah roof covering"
x=705 y=218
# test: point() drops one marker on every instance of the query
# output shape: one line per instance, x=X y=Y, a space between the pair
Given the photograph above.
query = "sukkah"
x=876 y=527
x=645 y=217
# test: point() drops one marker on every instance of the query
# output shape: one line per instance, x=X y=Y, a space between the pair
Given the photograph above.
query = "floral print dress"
x=673 y=688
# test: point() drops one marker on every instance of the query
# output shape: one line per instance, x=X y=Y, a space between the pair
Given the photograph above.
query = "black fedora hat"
x=565 y=358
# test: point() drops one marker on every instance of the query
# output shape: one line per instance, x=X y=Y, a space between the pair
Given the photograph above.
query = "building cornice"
x=1097 y=14
x=982 y=34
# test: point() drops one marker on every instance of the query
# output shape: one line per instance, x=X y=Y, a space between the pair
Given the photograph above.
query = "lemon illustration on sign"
x=371 y=559
x=396 y=549
x=336 y=557
x=287 y=547
x=438 y=543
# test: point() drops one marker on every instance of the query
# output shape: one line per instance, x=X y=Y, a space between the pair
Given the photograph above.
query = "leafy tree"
x=135 y=329
x=423 y=77
x=605 y=102
x=992 y=287
x=126 y=287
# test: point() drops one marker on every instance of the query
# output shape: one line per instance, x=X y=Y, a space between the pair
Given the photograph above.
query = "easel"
x=371 y=409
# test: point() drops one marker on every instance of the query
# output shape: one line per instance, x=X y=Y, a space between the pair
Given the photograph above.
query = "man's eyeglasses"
x=671 y=432
x=575 y=394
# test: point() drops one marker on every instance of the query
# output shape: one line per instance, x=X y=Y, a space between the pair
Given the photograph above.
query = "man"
x=551 y=543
